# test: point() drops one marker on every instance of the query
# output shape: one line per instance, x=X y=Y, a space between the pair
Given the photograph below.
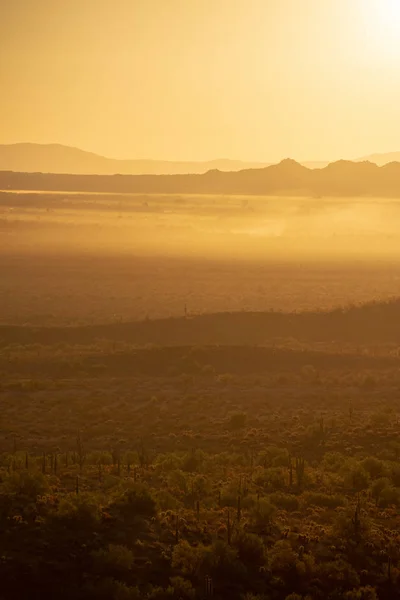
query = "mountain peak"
x=290 y=163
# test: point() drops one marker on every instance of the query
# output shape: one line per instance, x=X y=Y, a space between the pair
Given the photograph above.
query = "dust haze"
x=213 y=227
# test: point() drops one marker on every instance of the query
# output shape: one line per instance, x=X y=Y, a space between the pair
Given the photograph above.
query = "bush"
x=356 y=477
x=282 y=557
x=224 y=563
x=251 y=550
x=183 y=588
x=364 y=593
x=374 y=467
x=27 y=485
x=110 y=589
x=166 y=501
x=389 y=496
x=378 y=486
x=284 y=501
x=333 y=461
x=114 y=560
x=263 y=514
x=324 y=500
x=237 y=421
x=189 y=559
x=136 y=501
x=272 y=479
x=80 y=512
x=338 y=574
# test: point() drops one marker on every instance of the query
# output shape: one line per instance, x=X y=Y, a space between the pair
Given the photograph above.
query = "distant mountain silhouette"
x=342 y=178
x=381 y=159
x=56 y=158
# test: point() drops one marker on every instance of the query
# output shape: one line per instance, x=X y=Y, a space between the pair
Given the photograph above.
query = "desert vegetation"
x=191 y=426
x=236 y=468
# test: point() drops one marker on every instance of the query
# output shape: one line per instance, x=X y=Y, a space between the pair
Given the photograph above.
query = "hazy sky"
x=201 y=79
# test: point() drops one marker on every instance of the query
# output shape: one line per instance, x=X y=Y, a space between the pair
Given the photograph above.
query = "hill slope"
x=56 y=158
x=343 y=178
x=377 y=322
x=381 y=159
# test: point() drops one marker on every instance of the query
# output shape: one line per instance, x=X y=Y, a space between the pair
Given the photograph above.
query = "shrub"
x=114 y=560
x=237 y=421
x=263 y=514
x=166 y=501
x=27 y=485
x=378 y=486
x=224 y=563
x=389 y=496
x=81 y=512
x=374 y=467
x=136 y=501
x=333 y=461
x=356 y=477
x=284 y=501
x=338 y=574
x=183 y=588
x=324 y=500
x=364 y=593
x=107 y=589
x=282 y=557
x=189 y=559
x=251 y=550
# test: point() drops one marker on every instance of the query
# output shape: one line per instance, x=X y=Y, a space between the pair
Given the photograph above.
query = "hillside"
x=56 y=158
x=343 y=178
x=381 y=159
x=376 y=322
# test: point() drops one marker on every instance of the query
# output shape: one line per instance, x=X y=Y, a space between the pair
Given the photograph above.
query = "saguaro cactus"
x=208 y=587
x=239 y=508
x=300 y=468
x=229 y=528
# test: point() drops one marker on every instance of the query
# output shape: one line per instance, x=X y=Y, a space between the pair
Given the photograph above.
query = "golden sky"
x=202 y=79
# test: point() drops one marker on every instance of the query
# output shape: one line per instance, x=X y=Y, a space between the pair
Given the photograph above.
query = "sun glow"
x=381 y=23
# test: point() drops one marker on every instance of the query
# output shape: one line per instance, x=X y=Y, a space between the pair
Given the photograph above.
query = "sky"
x=256 y=80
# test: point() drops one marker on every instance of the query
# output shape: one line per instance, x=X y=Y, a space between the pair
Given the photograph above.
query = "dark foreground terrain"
x=241 y=455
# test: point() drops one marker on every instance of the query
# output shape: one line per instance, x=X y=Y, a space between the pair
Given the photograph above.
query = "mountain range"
x=381 y=159
x=289 y=178
x=56 y=158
